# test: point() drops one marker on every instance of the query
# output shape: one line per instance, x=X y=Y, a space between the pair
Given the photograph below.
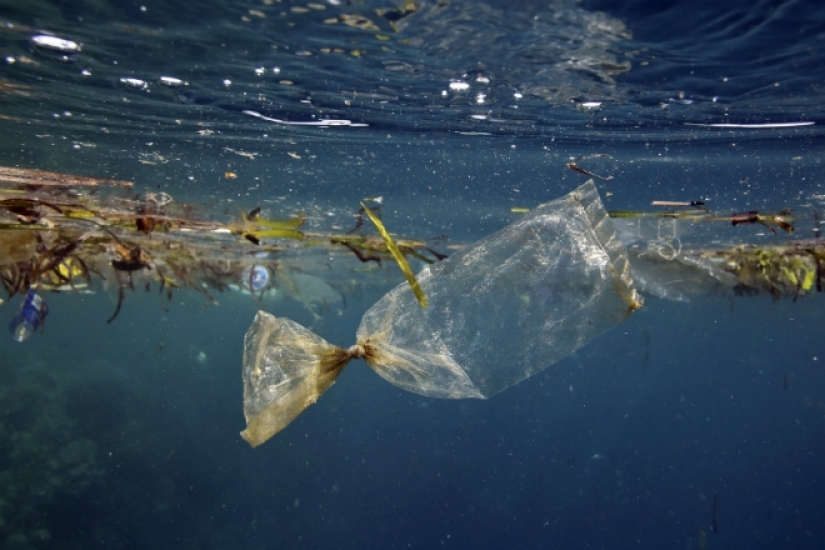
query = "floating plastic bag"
x=499 y=311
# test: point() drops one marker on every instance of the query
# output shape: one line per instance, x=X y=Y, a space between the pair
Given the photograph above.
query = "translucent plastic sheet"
x=679 y=254
x=500 y=311
x=282 y=374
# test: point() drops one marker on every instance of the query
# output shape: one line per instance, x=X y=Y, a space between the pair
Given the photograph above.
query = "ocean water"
x=699 y=422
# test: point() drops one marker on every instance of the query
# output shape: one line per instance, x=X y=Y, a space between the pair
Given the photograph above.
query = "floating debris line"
x=63 y=232
x=60 y=232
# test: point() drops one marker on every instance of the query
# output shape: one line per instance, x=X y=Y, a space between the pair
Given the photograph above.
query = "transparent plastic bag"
x=500 y=311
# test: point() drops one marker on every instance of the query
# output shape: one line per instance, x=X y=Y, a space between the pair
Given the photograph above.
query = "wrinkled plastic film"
x=286 y=369
x=500 y=311
x=507 y=307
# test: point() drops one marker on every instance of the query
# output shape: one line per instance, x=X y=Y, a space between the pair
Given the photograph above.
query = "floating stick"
x=582 y=171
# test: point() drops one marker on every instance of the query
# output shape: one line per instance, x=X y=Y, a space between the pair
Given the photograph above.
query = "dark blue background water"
x=126 y=435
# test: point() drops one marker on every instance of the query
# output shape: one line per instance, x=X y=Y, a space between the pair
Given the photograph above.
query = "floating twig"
x=581 y=170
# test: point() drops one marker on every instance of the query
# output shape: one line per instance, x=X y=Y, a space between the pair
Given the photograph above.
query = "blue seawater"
x=694 y=424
